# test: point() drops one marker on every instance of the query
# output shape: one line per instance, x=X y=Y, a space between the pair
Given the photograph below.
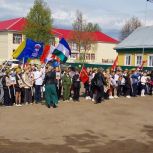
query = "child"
x=143 y=84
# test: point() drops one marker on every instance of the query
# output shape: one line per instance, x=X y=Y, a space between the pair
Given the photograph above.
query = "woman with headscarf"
x=50 y=88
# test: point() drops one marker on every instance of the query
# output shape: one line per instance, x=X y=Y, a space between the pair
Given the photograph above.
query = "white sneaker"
x=20 y=105
x=86 y=98
x=71 y=98
x=93 y=100
x=111 y=97
x=142 y=95
x=89 y=97
x=116 y=97
x=128 y=96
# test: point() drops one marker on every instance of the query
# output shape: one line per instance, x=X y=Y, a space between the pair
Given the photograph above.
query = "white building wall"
x=11 y=46
x=3 y=46
x=105 y=51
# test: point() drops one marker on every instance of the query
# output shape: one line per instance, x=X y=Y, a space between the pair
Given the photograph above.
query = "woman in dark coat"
x=50 y=88
x=99 y=83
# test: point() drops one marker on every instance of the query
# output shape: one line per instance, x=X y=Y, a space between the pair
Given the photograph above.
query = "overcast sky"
x=109 y=14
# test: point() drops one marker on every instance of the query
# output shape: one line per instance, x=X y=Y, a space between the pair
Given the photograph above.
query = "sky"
x=111 y=15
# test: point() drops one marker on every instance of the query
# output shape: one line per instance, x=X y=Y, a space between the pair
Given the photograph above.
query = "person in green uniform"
x=50 y=88
x=66 y=82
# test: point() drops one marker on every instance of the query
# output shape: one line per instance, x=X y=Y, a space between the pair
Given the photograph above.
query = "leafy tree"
x=129 y=27
x=39 y=23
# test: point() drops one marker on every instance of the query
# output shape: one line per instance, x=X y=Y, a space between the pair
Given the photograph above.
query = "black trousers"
x=76 y=93
x=27 y=95
x=134 y=90
x=99 y=94
x=127 y=90
x=37 y=93
x=7 y=97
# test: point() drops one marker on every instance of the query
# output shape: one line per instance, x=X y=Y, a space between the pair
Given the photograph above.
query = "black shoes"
x=54 y=106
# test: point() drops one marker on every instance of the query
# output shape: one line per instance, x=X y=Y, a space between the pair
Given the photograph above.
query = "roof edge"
x=14 y=23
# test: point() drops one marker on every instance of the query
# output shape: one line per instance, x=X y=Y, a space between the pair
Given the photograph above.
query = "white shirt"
x=143 y=80
x=38 y=77
x=116 y=77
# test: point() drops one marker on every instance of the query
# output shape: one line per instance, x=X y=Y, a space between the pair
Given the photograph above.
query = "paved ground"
x=115 y=126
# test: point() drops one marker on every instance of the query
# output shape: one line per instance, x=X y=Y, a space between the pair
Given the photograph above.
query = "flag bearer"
x=50 y=88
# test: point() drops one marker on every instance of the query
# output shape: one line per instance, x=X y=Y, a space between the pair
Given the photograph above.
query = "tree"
x=78 y=29
x=82 y=35
x=129 y=27
x=93 y=27
x=39 y=23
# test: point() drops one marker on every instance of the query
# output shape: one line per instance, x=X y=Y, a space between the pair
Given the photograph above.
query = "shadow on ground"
x=82 y=143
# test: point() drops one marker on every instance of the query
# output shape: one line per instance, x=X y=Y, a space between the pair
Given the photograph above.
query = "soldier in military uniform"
x=66 y=82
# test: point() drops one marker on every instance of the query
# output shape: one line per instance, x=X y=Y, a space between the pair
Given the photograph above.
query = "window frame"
x=149 y=60
x=87 y=56
x=125 y=59
x=136 y=55
x=16 y=40
x=91 y=56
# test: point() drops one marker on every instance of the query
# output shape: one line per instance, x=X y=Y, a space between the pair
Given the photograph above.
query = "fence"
x=104 y=66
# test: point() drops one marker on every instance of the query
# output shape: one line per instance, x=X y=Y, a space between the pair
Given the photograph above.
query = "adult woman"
x=28 y=84
x=100 y=82
x=50 y=88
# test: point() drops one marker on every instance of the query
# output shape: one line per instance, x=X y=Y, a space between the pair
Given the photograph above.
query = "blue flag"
x=29 y=50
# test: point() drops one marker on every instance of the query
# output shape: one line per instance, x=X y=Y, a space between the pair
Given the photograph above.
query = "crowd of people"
x=36 y=83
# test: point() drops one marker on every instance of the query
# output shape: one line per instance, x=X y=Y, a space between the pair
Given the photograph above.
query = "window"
x=74 y=46
x=127 y=60
x=92 y=56
x=82 y=56
x=73 y=56
x=17 y=38
x=138 y=60
x=87 y=56
x=150 y=60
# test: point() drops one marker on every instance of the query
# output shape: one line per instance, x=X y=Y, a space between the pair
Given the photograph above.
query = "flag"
x=45 y=53
x=142 y=65
x=49 y=56
x=28 y=49
x=62 y=51
x=115 y=64
x=84 y=75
